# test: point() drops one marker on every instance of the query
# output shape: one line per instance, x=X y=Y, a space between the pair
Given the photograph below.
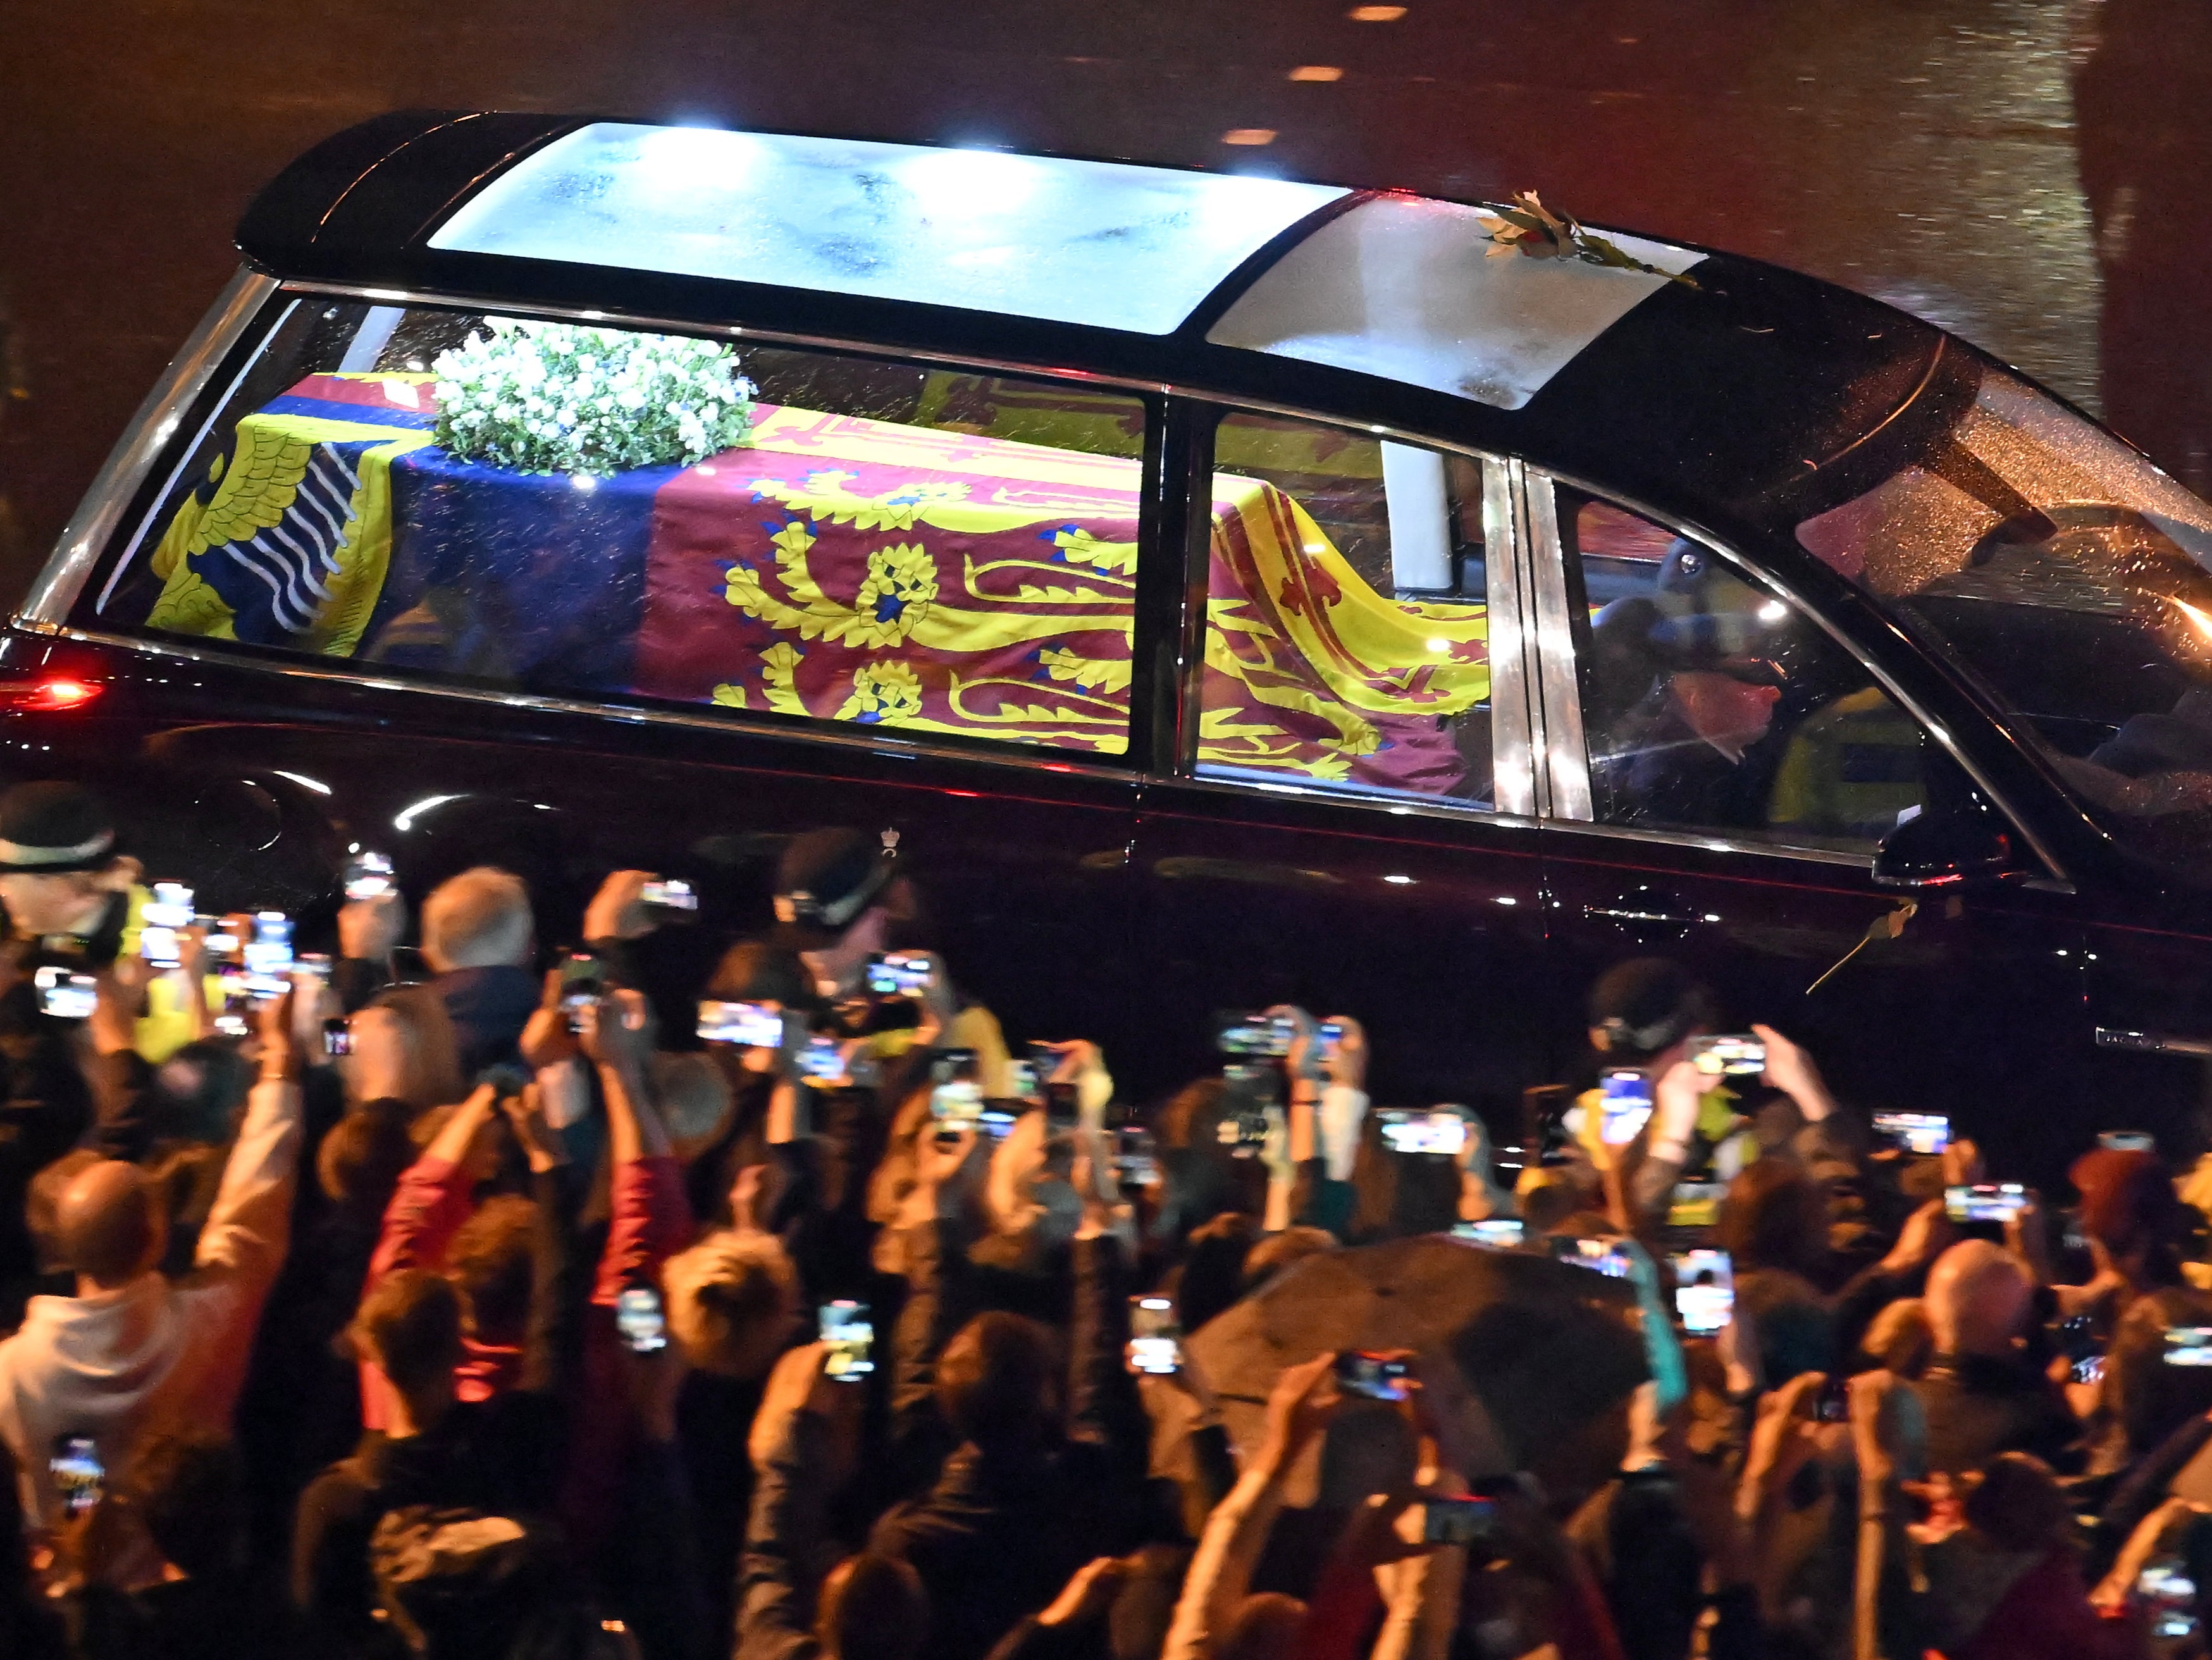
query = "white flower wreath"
x=561 y=398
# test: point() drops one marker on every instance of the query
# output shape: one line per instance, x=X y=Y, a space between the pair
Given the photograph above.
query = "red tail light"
x=54 y=692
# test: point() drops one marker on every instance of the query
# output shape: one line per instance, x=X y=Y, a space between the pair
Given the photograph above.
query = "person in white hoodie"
x=134 y=1352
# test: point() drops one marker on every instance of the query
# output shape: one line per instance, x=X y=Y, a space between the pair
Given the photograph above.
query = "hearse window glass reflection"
x=1710 y=705
x=2066 y=575
x=1347 y=626
x=596 y=511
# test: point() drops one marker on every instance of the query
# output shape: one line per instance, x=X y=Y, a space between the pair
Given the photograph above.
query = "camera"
x=337 y=1037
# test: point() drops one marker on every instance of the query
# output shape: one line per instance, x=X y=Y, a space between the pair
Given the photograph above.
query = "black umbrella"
x=1543 y=1348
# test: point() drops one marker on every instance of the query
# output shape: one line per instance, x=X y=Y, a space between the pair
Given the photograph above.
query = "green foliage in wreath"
x=563 y=398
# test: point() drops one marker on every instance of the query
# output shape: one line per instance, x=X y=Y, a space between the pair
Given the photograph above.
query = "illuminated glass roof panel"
x=1404 y=287
x=1102 y=243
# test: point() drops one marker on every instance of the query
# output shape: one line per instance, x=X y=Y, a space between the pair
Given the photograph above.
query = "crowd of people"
x=521 y=1307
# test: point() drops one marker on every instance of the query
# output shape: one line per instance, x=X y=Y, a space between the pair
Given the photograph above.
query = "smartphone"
x=266 y=953
x=1244 y=1132
x=1458 y=1521
x=1704 y=1291
x=670 y=895
x=1136 y=1156
x=1602 y=1256
x=2189 y=1345
x=1255 y=1035
x=957 y=1105
x=1985 y=1201
x=2128 y=1140
x=639 y=1320
x=847 y=1333
x=1329 y=1036
x=751 y=1026
x=64 y=993
x=1423 y=1132
x=952 y=1066
x=1695 y=1204
x=222 y=937
x=315 y=965
x=1625 y=1107
x=583 y=982
x=1924 y=1135
x=164 y=915
x=1155 y=1336
x=1022 y=1078
x=77 y=1473
x=369 y=876
x=337 y=1037
x=900 y=974
x=1833 y=1404
x=1062 y=1112
x=1377 y=1377
x=2168 y=1596
x=995 y=1122
x=1737 y=1054
x=1500 y=1232
x=823 y=1062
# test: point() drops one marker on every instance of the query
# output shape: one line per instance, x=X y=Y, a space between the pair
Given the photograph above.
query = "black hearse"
x=1231 y=589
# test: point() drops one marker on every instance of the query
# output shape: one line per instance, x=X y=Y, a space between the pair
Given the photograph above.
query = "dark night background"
x=2035 y=173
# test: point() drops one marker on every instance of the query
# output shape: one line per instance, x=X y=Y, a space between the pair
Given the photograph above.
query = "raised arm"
x=1237 y=1533
x=249 y=1227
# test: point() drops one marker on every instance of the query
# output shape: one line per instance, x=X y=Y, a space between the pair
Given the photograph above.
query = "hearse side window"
x=1710 y=705
x=598 y=512
x=1347 y=623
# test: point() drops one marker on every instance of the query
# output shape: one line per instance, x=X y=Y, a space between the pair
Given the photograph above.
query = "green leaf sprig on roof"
x=1530 y=228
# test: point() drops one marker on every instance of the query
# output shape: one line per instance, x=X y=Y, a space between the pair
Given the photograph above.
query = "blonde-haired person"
x=733 y=1301
x=479 y=936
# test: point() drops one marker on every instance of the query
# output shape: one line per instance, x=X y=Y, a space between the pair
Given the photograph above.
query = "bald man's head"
x=109 y=1225
x=1977 y=1299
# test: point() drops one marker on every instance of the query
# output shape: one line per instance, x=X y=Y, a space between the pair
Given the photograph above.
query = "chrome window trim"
x=1708 y=843
x=1440 y=808
x=1560 y=681
x=1512 y=724
x=54 y=594
x=1566 y=751
x=724 y=721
